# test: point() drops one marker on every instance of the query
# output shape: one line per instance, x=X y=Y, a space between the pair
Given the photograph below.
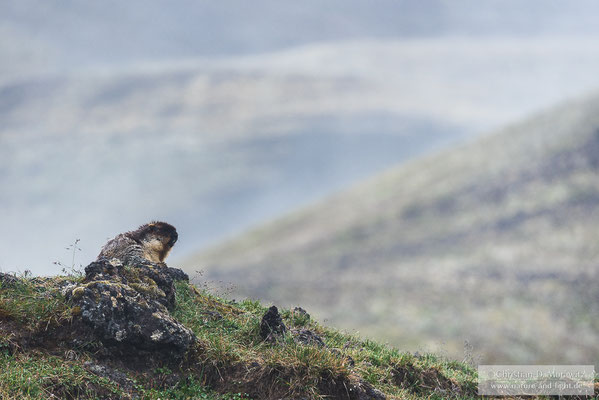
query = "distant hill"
x=493 y=243
x=216 y=145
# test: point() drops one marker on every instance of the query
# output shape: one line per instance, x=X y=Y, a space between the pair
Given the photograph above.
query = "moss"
x=78 y=292
x=149 y=290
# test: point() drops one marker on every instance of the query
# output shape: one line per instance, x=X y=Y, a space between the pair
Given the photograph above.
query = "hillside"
x=489 y=248
x=217 y=145
x=112 y=334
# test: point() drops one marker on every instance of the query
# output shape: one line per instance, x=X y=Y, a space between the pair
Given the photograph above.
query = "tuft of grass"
x=39 y=376
x=188 y=388
x=36 y=302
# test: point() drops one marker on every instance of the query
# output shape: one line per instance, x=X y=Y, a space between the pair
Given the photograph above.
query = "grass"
x=231 y=360
x=35 y=375
x=35 y=303
x=232 y=335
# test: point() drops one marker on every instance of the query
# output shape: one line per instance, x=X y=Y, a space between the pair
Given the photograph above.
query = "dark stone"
x=212 y=315
x=306 y=336
x=150 y=279
x=300 y=312
x=177 y=274
x=364 y=391
x=128 y=307
x=272 y=326
x=110 y=373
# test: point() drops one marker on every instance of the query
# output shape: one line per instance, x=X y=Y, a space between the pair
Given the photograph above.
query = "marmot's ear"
x=152 y=227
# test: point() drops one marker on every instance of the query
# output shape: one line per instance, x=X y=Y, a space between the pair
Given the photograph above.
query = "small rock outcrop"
x=306 y=336
x=128 y=306
x=272 y=326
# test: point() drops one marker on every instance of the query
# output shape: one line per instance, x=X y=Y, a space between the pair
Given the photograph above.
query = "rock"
x=109 y=373
x=177 y=274
x=300 y=312
x=150 y=280
x=272 y=326
x=7 y=280
x=128 y=307
x=306 y=336
x=364 y=391
x=211 y=316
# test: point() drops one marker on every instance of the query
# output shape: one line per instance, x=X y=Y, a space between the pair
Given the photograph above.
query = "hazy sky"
x=44 y=36
x=219 y=115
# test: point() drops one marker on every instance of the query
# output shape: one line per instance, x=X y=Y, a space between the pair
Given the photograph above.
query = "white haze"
x=217 y=116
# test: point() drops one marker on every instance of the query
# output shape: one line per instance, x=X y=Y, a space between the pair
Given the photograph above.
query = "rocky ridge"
x=128 y=306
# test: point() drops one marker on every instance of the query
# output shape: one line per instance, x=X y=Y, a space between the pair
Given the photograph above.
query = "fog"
x=219 y=116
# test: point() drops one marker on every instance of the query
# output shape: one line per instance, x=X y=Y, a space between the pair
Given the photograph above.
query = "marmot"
x=150 y=242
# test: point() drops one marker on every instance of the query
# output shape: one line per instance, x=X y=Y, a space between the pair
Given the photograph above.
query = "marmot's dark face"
x=157 y=239
x=166 y=232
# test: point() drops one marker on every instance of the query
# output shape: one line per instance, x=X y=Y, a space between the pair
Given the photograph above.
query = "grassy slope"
x=230 y=362
x=493 y=242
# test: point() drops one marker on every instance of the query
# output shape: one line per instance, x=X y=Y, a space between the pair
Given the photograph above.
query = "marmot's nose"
x=173 y=239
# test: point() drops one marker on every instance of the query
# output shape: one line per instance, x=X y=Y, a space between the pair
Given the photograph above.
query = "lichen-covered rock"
x=105 y=371
x=177 y=275
x=128 y=306
x=149 y=279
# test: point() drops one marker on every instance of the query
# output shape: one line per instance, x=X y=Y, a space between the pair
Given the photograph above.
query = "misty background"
x=216 y=116
x=222 y=116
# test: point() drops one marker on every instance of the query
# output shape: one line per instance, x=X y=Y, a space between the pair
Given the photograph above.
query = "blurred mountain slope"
x=493 y=243
x=215 y=145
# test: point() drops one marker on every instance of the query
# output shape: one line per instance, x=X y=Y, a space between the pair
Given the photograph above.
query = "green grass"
x=233 y=335
x=36 y=375
x=40 y=376
x=230 y=360
x=35 y=303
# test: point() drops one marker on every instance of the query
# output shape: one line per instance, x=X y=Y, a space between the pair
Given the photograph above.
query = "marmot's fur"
x=151 y=242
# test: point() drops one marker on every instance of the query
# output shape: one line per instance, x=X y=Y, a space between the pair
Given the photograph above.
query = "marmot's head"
x=157 y=239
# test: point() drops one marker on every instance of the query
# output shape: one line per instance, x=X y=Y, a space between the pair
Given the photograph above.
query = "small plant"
x=73 y=248
x=470 y=358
